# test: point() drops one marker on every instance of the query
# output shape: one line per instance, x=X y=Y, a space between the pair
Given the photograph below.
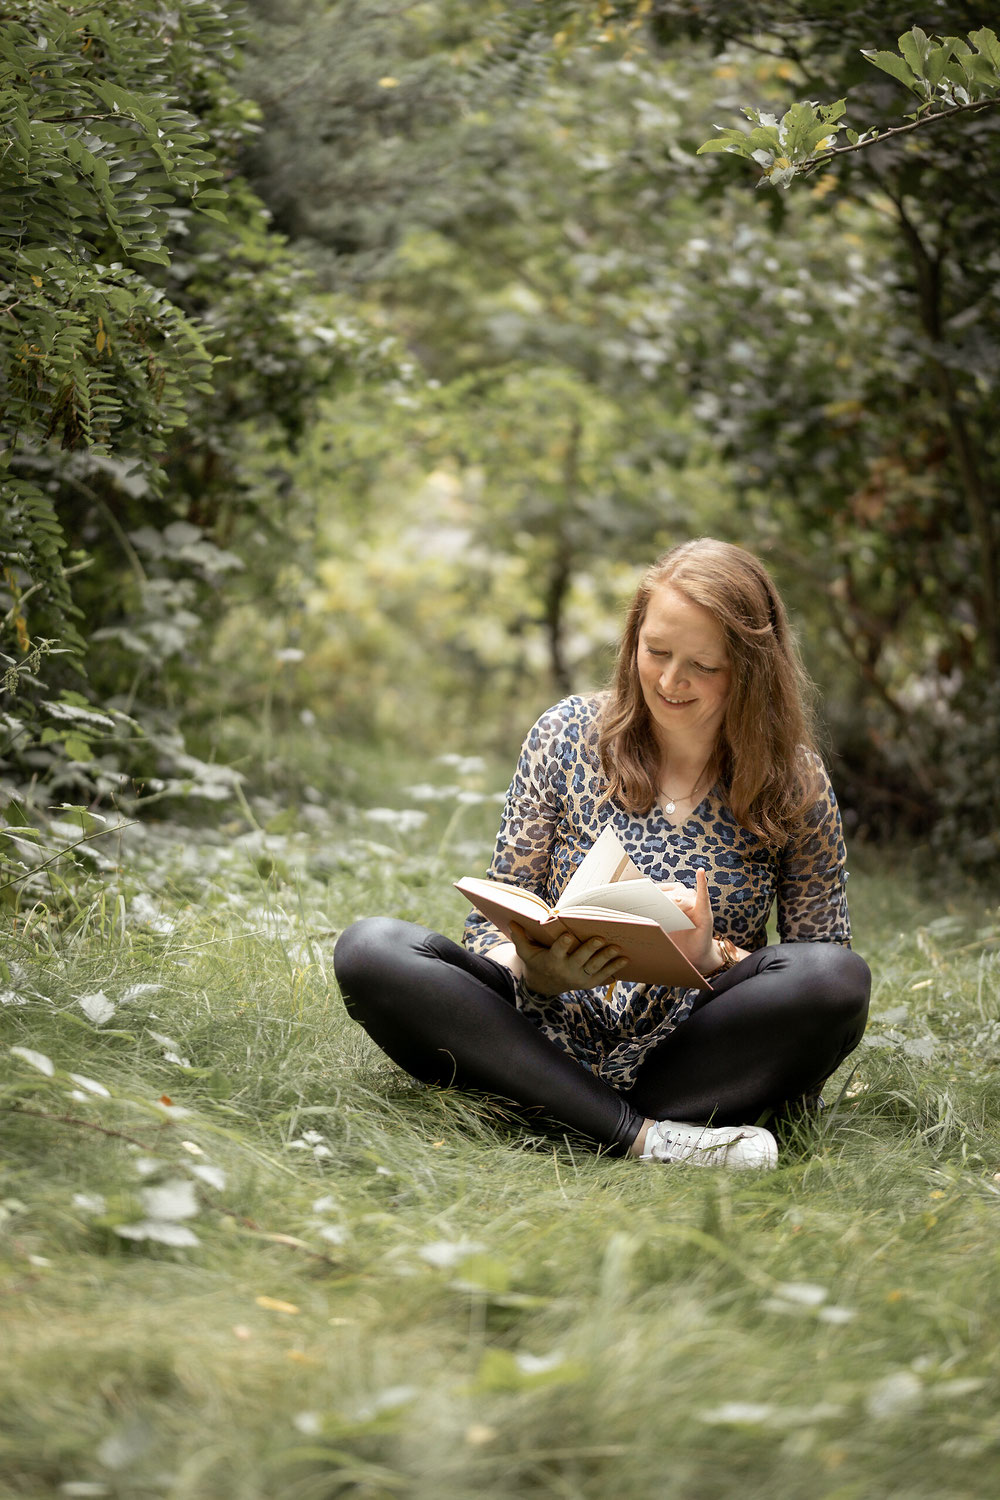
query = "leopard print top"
x=551 y=817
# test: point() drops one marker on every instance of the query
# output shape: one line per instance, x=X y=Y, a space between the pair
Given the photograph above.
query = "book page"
x=608 y=877
x=511 y=897
x=605 y=863
x=642 y=898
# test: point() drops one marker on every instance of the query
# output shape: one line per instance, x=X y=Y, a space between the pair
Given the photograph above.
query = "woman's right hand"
x=568 y=964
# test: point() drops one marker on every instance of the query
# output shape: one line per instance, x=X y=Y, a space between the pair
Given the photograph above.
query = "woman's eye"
x=707 y=670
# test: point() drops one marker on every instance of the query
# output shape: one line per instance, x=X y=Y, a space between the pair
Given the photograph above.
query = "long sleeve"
x=533 y=810
x=812 y=877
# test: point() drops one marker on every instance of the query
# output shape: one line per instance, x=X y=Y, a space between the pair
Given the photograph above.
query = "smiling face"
x=684 y=670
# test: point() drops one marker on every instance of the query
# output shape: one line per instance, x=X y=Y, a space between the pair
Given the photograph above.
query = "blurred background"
x=358 y=355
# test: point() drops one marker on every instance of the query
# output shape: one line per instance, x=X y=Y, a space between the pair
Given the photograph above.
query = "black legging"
x=771 y=1030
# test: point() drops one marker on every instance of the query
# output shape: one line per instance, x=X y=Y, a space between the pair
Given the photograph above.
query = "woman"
x=701 y=759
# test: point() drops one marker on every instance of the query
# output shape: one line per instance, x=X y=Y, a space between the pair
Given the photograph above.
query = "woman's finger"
x=702 y=901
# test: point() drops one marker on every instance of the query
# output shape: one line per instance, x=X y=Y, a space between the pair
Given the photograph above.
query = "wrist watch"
x=730 y=956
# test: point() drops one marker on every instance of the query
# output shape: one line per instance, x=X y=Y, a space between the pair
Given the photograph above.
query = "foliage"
x=897 y=425
x=94 y=356
x=153 y=316
x=948 y=75
x=343 y=1280
x=609 y=345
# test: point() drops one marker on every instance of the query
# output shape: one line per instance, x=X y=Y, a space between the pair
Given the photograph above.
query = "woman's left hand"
x=697 y=943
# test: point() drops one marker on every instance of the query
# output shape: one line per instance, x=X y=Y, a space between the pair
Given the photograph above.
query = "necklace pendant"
x=670 y=807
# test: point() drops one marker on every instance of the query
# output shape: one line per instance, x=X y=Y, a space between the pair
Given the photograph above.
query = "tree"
x=150 y=316
x=907 y=444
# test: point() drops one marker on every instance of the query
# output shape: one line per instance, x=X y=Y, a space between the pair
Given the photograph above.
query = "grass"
x=395 y=1292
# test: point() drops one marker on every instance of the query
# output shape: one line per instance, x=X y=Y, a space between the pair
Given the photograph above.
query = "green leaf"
x=894 y=65
x=77 y=748
x=937 y=60
x=915 y=45
x=729 y=140
x=988 y=46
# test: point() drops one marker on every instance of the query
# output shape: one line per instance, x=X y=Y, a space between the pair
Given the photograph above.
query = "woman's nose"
x=672 y=675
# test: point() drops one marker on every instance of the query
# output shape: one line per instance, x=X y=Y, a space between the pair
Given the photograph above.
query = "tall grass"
x=397 y=1292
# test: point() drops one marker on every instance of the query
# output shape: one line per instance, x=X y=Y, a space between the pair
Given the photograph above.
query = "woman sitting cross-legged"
x=701 y=759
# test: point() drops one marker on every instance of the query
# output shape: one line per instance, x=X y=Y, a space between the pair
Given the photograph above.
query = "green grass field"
x=332 y=1282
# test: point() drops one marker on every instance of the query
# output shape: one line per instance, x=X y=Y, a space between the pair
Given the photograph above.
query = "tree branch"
x=40 y=1114
x=885 y=135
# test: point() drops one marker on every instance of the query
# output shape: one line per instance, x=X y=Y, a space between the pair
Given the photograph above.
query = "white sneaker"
x=733 y=1146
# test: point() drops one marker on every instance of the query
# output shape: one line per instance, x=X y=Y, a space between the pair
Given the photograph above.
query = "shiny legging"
x=769 y=1031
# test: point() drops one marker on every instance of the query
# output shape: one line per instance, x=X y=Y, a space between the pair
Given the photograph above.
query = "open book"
x=605 y=897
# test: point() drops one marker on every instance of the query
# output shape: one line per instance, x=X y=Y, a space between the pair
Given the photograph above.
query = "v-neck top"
x=551 y=818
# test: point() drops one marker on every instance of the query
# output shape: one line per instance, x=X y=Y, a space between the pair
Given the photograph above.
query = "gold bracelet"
x=730 y=957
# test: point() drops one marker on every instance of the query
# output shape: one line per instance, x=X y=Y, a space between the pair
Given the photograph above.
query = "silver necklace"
x=670 y=806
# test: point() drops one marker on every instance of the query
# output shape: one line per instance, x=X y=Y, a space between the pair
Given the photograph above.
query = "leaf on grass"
x=164 y=1040
x=391 y=1398
x=97 y=1007
x=36 y=1059
x=448 y=1253
x=836 y=1315
x=170 y=1109
x=90 y=1203
x=170 y=1200
x=275 y=1304
x=740 y=1414
x=160 y=1230
x=91 y=1085
x=214 y=1176
x=127 y=1443
x=134 y=991
x=923 y=1047
x=895 y=1395
x=805 y=1293
x=334 y=1234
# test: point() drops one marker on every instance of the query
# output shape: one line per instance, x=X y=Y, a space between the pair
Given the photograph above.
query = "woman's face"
x=684 y=667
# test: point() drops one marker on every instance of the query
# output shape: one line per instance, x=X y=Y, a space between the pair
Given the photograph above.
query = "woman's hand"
x=568 y=964
x=698 y=944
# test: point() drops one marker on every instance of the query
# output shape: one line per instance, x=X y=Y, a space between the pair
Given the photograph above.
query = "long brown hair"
x=760 y=760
